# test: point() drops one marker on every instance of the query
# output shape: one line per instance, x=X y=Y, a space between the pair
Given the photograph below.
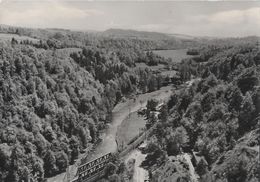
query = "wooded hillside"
x=55 y=98
x=216 y=118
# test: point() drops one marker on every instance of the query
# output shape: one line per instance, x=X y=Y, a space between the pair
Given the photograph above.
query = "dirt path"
x=140 y=174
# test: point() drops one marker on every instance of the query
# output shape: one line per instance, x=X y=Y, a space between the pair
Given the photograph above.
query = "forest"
x=217 y=118
x=57 y=95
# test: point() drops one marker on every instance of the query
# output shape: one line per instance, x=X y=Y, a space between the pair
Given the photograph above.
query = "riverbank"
x=119 y=114
x=133 y=124
x=130 y=128
x=173 y=163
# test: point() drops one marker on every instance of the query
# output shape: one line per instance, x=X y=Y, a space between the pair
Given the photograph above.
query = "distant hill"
x=142 y=34
x=182 y=36
x=161 y=40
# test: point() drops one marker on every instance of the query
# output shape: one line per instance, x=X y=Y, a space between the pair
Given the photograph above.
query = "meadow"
x=176 y=55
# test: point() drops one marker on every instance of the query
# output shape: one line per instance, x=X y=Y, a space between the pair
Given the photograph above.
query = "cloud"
x=251 y=15
x=224 y=23
x=199 y=18
x=231 y=23
x=51 y=14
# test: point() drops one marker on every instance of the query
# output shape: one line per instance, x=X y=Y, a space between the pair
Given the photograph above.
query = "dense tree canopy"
x=58 y=89
x=218 y=115
x=55 y=99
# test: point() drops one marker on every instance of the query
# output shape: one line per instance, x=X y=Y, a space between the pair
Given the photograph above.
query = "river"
x=141 y=174
x=119 y=113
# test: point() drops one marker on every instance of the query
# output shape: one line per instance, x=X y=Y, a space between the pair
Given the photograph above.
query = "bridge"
x=93 y=170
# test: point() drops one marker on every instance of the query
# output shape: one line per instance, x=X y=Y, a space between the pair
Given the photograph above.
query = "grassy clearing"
x=8 y=37
x=175 y=55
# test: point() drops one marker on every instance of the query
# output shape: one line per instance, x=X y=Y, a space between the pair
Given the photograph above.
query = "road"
x=140 y=174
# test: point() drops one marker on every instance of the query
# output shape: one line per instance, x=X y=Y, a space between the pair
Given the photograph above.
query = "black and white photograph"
x=129 y=91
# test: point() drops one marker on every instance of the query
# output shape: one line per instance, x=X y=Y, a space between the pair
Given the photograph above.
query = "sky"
x=200 y=18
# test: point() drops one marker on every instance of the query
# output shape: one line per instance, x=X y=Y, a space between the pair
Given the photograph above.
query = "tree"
x=40 y=143
x=14 y=41
x=114 y=178
x=159 y=81
x=12 y=176
x=185 y=71
x=151 y=106
x=121 y=168
x=152 y=84
x=194 y=111
x=151 y=120
x=247 y=113
x=177 y=139
x=208 y=101
x=50 y=167
x=207 y=83
x=110 y=169
x=62 y=161
x=173 y=101
x=74 y=145
x=31 y=86
x=37 y=168
x=192 y=52
x=49 y=134
x=163 y=116
x=25 y=174
x=248 y=80
x=202 y=167
x=236 y=99
x=16 y=164
x=160 y=131
x=155 y=155
x=4 y=156
x=237 y=171
x=185 y=100
x=84 y=136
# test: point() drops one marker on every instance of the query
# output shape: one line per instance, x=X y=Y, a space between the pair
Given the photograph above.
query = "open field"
x=8 y=37
x=176 y=55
